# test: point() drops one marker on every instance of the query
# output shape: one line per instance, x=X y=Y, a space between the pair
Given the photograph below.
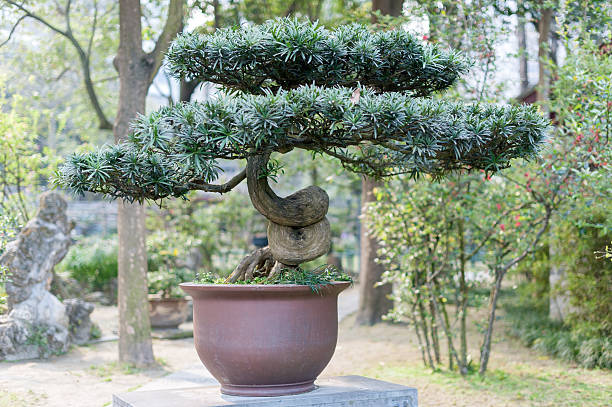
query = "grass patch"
x=524 y=385
x=105 y=371
x=27 y=399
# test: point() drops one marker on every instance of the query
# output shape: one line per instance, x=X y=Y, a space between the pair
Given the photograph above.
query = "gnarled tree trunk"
x=298 y=230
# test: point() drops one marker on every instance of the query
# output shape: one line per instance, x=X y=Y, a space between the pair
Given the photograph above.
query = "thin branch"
x=94 y=25
x=493 y=229
x=13 y=29
x=174 y=25
x=108 y=78
x=105 y=124
x=61 y=74
x=67 y=14
x=535 y=241
x=28 y=13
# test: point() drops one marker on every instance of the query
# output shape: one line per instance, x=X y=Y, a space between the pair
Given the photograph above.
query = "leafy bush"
x=165 y=282
x=8 y=230
x=589 y=278
x=92 y=262
x=528 y=321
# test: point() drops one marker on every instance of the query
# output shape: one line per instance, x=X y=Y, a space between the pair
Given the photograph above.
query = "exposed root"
x=258 y=263
x=278 y=267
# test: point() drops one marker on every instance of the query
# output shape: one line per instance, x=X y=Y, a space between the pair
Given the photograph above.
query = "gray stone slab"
x=344 y=391
x=193 y=376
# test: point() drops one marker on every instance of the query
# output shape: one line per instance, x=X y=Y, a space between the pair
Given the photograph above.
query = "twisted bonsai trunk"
x=298 y=230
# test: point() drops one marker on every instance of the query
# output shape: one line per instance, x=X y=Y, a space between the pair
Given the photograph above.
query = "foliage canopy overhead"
x=349 y=93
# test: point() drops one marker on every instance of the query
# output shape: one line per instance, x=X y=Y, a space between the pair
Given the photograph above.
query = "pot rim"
x=262 y=287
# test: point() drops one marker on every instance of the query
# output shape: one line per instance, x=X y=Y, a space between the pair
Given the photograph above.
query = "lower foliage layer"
x=176 y=148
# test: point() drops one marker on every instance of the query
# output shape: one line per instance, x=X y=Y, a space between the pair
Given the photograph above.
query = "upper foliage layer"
x=287 y=53
x=176 y=148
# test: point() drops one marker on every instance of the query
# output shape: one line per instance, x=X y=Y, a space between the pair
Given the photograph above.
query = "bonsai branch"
x=302 y=208
x=219 y=188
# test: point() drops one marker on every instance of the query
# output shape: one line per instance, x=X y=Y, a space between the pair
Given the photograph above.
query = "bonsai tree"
x=359 y=96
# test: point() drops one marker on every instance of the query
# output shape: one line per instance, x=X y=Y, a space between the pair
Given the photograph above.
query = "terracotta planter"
x=265 y=340
x=167 y=312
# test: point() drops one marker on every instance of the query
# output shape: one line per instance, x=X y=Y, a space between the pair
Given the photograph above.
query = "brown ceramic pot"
x=168 y=312
x=265 y=340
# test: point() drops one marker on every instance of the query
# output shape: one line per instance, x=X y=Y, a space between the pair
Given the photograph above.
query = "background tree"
x=137 y=69
x=374 y=301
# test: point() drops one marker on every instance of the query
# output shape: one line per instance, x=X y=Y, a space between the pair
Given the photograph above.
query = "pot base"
x=268 y=391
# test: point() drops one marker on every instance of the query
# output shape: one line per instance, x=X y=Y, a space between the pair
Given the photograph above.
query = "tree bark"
x=302 y=208
x=463 y=287
x=136 y=72
x=485 y=349
x=522 y=51
x=543 y=58
x=388 y=7
x=373 y=300
x=187 y=89
x=135 y=346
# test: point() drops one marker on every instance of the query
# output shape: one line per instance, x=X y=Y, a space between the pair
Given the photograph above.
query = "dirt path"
x=87 y=376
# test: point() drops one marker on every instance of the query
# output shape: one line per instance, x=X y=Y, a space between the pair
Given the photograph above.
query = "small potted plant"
x=356 y=95
x=168 y=307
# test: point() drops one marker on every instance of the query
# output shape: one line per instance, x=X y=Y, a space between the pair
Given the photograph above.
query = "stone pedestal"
x=344 y=391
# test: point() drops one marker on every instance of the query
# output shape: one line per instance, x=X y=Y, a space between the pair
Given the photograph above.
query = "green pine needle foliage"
x=329 y=92
x=286 y=53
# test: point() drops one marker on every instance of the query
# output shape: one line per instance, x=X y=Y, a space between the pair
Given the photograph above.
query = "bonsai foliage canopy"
x=353 y=94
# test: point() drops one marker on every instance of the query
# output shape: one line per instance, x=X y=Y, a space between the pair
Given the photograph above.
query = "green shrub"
x=92 y=262
x=165 y=282
x=589 y=277
x=528 y=321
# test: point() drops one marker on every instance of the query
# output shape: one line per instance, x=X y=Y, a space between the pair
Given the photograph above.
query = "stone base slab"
x=343 y=391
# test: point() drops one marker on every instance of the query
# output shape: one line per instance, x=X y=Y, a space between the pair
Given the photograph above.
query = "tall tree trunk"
x=558 y=301
x=485 y=349
x=558 y=297
x=463 y=287
x=373 y=299
x=423 y=316
x=522 y=51
x=135 y=345
x=435 y=339
x=388 y=7
x=543 y=58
